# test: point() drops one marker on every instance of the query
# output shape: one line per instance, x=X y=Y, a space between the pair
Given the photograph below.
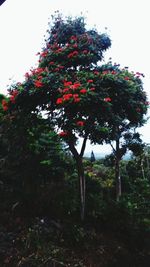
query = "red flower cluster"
x=113 y=72
x=59 y=101
x=59 y=50
x=27 y=75
x=105 y=72
x=96 y=72
x=85 y=52
x=4 y=105
x=83 y=91
x=38 y=83
x=44 y=53
x=67 y=83
x=73 y=54
x=67 y=97
x=63 y=133
x=107 y=99
x=76 y=85
x=14 y=93
x=127 y=78
x=80 y=123
x=73 y=37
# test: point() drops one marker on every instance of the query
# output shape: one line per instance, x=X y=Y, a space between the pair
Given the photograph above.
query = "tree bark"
x=81 y=176
x=118 y=180
x=117 y=172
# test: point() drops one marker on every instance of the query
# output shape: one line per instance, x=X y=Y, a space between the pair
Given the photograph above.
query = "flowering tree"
x=82 y=98
x=127 y=106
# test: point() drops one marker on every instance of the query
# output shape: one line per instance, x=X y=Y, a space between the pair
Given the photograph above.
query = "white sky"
x=23 y=24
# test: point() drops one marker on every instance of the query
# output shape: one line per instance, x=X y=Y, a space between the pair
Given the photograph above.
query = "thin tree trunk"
x=117 y=173
x=118 y=180
x=81 y=175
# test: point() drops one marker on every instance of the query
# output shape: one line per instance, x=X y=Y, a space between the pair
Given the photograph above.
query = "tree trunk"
x=118 y=180
x=81 y=177
x=117 y=172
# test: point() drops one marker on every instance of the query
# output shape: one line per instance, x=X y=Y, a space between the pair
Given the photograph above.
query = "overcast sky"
x=23 y=24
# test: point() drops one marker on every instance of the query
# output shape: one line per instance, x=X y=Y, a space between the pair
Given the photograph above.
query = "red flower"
x=75 y=85
x=75 y=96
x=27 y=75
x=126 y=78
x=75 y=53
x=56 y=69
x=5 y=105
x=70 y=55
x=90 y=81
x=113 y=72
x=38 y=83
x=80 y=123
x=65 y=90
x=83 y=91
x=74 y=38
x=58 y=50
x=67 y=97
x=67 y=83
x=39 y=77
x=14 y=93
x=77 y=100
x=12 y=99
x=107 y=99
x=105 y=72
x=44 y=54
x=96 y=72
x=92 y=89
x=51 y=62
x=37 y=71
x=85 y=51
x=75 y=46
x=59 y=101
x=63 y=133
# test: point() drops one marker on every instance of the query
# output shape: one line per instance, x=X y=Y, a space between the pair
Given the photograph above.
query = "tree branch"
x=83 y=146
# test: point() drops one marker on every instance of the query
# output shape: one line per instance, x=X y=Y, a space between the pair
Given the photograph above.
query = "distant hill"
x=103 y=155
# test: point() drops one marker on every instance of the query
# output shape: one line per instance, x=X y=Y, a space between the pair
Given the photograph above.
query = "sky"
x=23 y=26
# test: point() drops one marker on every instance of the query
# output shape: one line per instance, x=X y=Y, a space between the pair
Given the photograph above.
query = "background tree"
x=127 y=106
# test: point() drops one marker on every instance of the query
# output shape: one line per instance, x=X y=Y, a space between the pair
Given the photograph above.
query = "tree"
x=29 y=151
x=128 y=104
x=80 y=97
x=63 y=85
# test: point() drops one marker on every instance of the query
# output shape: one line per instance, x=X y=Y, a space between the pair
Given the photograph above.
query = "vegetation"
x=45 y=181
